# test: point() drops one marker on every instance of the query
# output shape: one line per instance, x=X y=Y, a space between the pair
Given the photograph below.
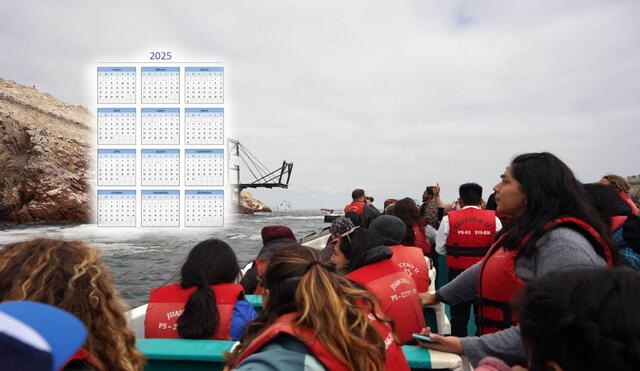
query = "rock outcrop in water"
x=250 y=204
x=44 y=156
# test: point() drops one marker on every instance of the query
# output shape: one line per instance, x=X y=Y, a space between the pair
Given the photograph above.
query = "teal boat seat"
x=256 y=301
x=184 y=354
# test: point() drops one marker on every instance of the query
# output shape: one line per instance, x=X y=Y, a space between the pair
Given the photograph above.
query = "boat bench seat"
x=184 y=354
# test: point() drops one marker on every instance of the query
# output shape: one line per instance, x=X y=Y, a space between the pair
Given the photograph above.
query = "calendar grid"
x=160 y=144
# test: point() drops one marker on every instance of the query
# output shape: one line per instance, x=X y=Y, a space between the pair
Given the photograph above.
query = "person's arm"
x=441 y=236
x=371 y=210
x=438 y=201
x=462 y=288
x=505 y=344
x=243 y=313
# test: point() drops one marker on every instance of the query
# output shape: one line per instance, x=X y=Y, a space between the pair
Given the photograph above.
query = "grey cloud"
x=389 y=97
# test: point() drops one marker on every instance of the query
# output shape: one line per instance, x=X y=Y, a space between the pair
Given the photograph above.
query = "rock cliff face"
x=250 y=205
x=45 y=152
x=44 y=156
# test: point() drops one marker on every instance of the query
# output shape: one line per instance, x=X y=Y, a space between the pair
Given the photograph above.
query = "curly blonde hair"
x=71 y=276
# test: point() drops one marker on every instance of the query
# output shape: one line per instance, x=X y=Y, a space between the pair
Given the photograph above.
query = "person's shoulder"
x=566 y=235
x=244 y=309
x=282 y=352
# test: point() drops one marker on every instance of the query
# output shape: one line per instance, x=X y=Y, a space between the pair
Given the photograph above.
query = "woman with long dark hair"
x=315 y=319
x=554 y=226
x=407 y=210
x=206 y=303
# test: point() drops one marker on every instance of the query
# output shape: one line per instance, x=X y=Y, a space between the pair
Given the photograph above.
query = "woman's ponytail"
x=209 y=263
x=200 y=318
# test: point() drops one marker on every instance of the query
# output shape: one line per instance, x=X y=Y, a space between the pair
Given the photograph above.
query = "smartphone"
x=423 y=338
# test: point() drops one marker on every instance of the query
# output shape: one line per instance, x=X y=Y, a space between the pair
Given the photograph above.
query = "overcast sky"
x=385 y=96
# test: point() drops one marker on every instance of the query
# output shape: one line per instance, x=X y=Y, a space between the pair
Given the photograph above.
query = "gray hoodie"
x=558 y=249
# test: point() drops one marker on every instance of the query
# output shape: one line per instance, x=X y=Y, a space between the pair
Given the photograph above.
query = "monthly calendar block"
x=204 y=85
x=161 y=85
x=160 y=125
x=116 y=167
x=151 y=119
x=204 y=208
x=116 y=85
x=204 y=126
x=116 y=126
x=116 y=208
x=160 y=167
x=204 y=167
x=160 y=208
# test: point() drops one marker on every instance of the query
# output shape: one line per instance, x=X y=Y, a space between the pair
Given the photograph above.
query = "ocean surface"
x=142 y=259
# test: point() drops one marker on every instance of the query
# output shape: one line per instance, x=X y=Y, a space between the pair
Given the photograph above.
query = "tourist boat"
x=186 y=354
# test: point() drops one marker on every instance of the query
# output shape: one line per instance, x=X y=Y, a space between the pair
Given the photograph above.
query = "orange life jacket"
x=397 y=294
x=395 y=360
x=617 y=221
x=498 y=283
x=357 y=206
x=420 y=239
x=411 y=260
x=471 y=232
x=84 y=355
x=166 y=304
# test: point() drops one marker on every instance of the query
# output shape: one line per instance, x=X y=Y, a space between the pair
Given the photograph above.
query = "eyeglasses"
x=347 y=233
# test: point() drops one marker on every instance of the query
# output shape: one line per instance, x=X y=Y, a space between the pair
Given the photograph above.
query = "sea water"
x=143 y=259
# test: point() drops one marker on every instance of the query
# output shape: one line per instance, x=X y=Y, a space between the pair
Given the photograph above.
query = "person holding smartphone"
x=554 y=226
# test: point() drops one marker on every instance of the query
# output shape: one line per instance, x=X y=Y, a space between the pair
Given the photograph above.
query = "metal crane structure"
x=262 y=177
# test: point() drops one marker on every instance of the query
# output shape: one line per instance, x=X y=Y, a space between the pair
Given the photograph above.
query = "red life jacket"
x=84 y=355
x=411 y=259
x=504 y=218
x=617 y=221
x=629 y=201
x=395 y=359
x=420 y=239
x=471 y=232
x=397 y=294
x=166 y=304
x=357 y=206
x=498 y=283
